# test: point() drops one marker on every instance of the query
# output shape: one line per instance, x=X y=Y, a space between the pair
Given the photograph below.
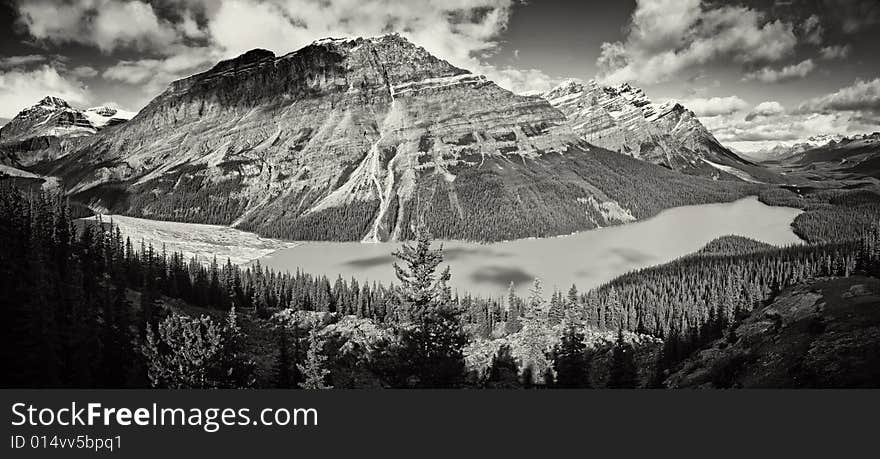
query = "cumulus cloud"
x=107 y=24
x=790 y=72
x=22 y=88
x=154 y=75
x=751 y=134
x=464 y=32
x=851 y=110
x=766 y=109
x=716 y=106
x=461 y=31
x=667 y=37
x=835 y=52
x=860 y=96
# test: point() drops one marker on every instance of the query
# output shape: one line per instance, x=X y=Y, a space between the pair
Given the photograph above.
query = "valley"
x=290 y=216
x=585 y=259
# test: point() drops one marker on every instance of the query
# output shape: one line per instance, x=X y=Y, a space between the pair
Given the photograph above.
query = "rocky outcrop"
x=823 y=333
x=623 y=119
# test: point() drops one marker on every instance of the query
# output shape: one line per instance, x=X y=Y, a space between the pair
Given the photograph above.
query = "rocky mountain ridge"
x=354 y=139
x=622 y=118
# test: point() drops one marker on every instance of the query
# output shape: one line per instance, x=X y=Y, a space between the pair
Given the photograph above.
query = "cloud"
x=464 y=32
x=812 y=30
x=766 y=109
x=154 y=75
x=16 y=61
x=854 y=15
x=667 y=37
x=791 y=72
x=854 y=109
x=835 y=52
x=851 y=110
x=106 y=24
x=84 y=71
x=716 y=106
x=20 y=89
x=860 y=96
x=784 y=128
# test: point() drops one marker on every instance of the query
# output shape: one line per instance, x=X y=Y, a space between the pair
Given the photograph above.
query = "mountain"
x=841 y=157
x=623 y=119
x=50 y=117
x=820 y=334
x=785 y=150
x=39 y=132
x=355 y=139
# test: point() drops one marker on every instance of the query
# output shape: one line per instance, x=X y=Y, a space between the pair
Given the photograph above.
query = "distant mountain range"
x=820 y=142
x=842 y=157
x=355 y=139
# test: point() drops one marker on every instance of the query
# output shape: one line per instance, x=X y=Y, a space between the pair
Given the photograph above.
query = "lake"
x=586 y=259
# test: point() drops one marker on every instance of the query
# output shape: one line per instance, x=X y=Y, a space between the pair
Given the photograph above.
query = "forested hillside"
x=85 y=307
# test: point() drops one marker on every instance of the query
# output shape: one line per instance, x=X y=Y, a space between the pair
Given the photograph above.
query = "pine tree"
x=503 y=371
x=180 y=354
x=432 y=343
x=234 y=370
x=534 y=334
x=570 y=360
x=556 y=312
x=623 y=366
x=421 y=290
x=314 y=368
x=513 y=324
x=283 y=375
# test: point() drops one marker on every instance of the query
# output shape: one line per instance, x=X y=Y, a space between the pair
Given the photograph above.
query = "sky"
x=757 y=73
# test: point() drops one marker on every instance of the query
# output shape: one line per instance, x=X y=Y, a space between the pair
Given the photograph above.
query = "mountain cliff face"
x=352 y=140
x=45 y=130
x=623 y=119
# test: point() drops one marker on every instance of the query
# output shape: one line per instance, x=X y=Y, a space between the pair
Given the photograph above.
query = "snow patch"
x=439 y=82
x=733 y=171
x=101 y=116
x=610 y=210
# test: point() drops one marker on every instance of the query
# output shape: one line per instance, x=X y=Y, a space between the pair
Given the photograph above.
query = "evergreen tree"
x=622 y=374
x=314 y=369
x=503 y=372
x=432 y=343
x=570 y=360
x=180 y=355
x=234 y=370
x=283 y=376
x=534 y=334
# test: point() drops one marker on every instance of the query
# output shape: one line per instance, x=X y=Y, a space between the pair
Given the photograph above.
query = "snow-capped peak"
x=52 y=102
